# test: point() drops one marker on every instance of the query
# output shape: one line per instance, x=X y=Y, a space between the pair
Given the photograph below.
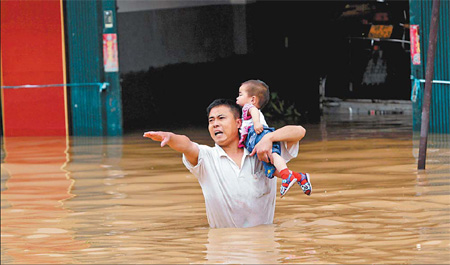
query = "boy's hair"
x=259 y=89
x=235 y=108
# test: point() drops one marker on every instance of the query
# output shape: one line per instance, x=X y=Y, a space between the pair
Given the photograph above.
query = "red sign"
x=110 y=54
x=415 y=44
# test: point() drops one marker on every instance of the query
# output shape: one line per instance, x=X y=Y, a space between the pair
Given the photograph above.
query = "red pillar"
x=33 y=53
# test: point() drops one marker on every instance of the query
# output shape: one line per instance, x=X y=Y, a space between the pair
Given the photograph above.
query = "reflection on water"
x=34 y=188
x=122 y=200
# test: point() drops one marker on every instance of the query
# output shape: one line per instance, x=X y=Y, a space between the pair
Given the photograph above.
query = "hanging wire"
x=101 y=86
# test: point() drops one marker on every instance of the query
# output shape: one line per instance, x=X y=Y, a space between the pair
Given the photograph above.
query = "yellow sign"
x=380 y=31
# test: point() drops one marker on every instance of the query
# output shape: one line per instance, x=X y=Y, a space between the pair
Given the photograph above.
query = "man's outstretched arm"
x=289 y=134
x=179 y=143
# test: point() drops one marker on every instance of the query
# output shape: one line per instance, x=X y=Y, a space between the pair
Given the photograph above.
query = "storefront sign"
x=415 y=44
x=110 y=54
x=380 y=31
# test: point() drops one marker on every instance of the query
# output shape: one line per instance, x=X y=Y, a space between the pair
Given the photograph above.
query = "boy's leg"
x=278 y=162
x=289 y=177
x=285 y=174
x=281 y=166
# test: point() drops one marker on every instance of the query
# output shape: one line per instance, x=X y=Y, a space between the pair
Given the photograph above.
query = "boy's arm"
x=254 y=112
x=289 y=134
x=179 y=143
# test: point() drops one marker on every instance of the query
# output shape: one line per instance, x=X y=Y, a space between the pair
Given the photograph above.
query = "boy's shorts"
x=253 y=138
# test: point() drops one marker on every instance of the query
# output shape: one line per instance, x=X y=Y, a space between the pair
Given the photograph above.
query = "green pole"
x=113 y=96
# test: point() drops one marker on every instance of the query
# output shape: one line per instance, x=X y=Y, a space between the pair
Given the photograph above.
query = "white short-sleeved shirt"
x=236 y=197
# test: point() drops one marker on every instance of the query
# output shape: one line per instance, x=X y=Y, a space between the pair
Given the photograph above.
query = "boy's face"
x=223 y=126
x=243 y=97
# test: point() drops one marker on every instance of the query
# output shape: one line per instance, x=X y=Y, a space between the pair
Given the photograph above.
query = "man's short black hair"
x=235 y=108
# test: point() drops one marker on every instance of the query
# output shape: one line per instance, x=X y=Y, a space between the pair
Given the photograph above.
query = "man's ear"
x=239 y=122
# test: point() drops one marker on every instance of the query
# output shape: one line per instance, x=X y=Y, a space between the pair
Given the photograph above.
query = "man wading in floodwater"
x=237 y=192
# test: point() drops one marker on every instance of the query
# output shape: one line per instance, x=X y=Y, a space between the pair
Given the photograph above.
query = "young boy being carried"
x=253 y=96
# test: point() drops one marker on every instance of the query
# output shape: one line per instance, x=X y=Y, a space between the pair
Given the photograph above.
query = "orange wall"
x=32 y=52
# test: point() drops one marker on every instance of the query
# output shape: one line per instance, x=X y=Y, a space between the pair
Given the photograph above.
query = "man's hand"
x=162 y=137
x=264 y=149
x=258 y=127
x=179 y=143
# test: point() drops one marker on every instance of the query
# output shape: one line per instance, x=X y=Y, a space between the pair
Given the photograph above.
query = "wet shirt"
x=236 y=196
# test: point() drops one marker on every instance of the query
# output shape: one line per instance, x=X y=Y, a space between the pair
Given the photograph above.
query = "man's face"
x=223 y=126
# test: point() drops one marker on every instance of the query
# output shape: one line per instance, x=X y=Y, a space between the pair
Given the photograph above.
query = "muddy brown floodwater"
x=125 y=200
